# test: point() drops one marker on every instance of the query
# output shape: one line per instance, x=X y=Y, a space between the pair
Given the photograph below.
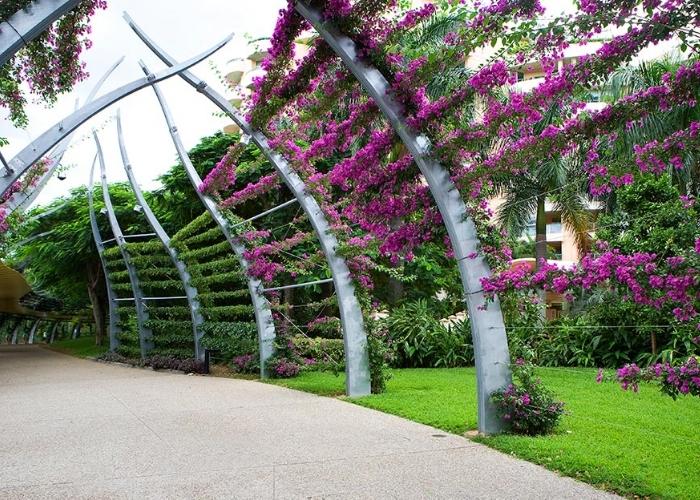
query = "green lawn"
x=642 y=444
x=82 y=347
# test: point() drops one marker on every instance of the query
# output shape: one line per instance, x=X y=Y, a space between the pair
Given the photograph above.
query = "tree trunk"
x=95 y=282
x=541 y=247
x=395 y=287
x=540 y=233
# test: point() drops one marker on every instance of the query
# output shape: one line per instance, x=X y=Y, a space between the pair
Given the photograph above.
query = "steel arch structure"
x=21 y=200
x=164 y=238
x=354 y=335
x=34 y=151
x=26 y=24
x=113 y=305
x=492 y=358
x=145 y=334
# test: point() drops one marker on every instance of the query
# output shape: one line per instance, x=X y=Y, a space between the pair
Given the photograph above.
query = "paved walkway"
x=79 y=429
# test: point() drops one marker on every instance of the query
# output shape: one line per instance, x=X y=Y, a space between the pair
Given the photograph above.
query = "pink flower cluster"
x=683 y=379
x=251 y=191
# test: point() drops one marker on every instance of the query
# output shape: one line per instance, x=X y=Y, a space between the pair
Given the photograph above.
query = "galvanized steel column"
x=27 y=24
x=34 y=151
x=263 y=314
x=354 y=336
x=52 y=333
x=22 y=199
x=32 y=331
x=488 y=330
x=145 y=334
x=114 y=329
x=190 y=291
x=15 y=332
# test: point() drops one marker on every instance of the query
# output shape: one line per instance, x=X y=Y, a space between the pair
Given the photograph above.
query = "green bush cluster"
x=418 y=339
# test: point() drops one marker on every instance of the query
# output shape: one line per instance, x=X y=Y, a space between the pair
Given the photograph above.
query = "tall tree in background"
x=58 y=253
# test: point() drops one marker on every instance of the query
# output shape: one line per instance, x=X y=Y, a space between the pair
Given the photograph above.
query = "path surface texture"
x=75 y=428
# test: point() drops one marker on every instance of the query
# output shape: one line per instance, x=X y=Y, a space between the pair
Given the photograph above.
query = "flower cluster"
x=527 y=406
x=283 y=368
x=683 y=379
x=50 y=64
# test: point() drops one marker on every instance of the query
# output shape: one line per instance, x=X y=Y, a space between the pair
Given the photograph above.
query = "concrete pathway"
x=79 y=429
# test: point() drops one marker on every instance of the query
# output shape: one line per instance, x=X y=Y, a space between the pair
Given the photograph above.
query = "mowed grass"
x=643 y=444
x=82 y=347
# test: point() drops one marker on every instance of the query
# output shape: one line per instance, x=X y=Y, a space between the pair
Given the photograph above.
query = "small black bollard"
x=207 y=358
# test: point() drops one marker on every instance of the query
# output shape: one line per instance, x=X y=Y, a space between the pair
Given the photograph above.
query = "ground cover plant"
x=82 y=347
x=643 y=444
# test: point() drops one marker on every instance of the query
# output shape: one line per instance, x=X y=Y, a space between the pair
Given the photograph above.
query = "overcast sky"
x=183 y=28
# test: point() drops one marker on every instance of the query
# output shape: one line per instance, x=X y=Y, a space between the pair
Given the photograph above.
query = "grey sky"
x=184 y=28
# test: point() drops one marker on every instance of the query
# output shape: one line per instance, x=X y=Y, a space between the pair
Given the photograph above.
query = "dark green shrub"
x=231 y=339
x=420 y=340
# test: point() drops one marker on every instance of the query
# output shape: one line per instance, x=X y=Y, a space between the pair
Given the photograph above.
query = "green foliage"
x=58 y=262
x=219 y=313
x=420 y=340
x=526 y=405
x=649 y=217
x=231 y=339
x=327 y=353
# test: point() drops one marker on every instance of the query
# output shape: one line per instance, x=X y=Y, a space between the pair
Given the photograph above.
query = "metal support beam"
x=488 y=330
x=15 y=332
x=32 y=332
x=131 y=237
x=39 y=147
x=27 y=24
x=354 y=336
x=52 y=333
x=263 y=314
x=164 y=238
x=298 y=285
x=114 y=329
x=22 y=199
x=145 y=334
x=76 y=330
x=266 y=212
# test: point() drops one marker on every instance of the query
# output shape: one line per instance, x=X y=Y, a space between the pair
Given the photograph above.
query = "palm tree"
x=627 y=80
x=560 y=181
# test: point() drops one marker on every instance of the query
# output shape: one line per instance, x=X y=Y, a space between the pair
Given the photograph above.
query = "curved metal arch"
x=32 y=332
x=145 y=334
x=15 y=331
x=22 y=199
x=29 y=335
x=492 y=358
x=190 y=291
x=354 y=335
x=263 y=314
x=52 y=333
x=114 y=329
x=40 y=146
x=26 y=24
